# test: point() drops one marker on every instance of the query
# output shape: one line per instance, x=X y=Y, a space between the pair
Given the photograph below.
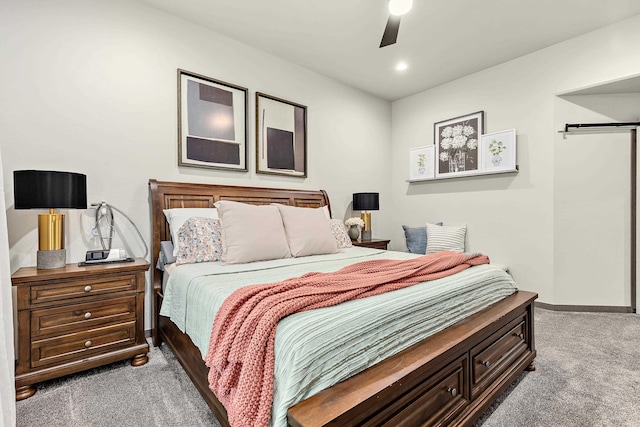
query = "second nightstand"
x=372 y=243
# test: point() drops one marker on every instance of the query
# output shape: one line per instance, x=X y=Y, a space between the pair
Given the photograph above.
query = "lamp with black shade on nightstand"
x=366 y=202
x=35 y=189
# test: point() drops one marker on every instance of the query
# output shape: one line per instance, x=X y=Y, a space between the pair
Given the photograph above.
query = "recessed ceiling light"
x=402 y=66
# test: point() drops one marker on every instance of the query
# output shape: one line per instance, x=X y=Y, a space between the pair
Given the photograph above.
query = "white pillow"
x=178 y=216
x=445 y=238
x=251 y=233
x=325 y=209
x=307 y=230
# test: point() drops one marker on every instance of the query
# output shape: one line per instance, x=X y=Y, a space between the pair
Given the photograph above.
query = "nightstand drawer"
x=59 y=320
x=82 y=288
x=81 y=345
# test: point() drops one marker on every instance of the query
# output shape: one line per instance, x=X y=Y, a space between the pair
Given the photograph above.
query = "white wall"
x=89 y=86
x=7 y=352
x=520 y=219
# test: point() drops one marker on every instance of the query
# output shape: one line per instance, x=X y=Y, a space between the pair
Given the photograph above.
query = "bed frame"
x=449 y=378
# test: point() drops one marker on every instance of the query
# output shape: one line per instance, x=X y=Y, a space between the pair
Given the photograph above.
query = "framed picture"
x=456 y=142
x=498 y=151
x=421 y=162
x=212 y=123
x=281 y=136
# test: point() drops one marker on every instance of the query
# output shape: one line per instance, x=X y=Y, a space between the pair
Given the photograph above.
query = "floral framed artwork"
x=212 y=123
x=456 y=142
x=498 y=151
x=281 y=136
x=421 y=163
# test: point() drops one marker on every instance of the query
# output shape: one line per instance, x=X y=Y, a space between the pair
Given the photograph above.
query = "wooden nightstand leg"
x=25 y=392
x=139 y=360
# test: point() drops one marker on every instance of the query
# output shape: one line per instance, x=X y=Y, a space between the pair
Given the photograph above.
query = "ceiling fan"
x=397 y=8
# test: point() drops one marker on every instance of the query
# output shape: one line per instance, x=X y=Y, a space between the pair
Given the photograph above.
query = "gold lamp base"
x=51 y=251
x=366 y=230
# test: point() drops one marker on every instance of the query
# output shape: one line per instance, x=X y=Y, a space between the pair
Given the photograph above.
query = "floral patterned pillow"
x=199 y=240
x=340 y=233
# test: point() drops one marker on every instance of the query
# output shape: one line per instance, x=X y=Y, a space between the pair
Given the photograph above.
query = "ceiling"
x=440 y=40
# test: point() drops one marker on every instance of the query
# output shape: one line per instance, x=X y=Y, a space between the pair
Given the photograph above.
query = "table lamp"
x=34 y=189
x=366 y=202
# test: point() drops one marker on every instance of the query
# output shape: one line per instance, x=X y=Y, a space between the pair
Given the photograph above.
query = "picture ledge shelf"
x=469 y=175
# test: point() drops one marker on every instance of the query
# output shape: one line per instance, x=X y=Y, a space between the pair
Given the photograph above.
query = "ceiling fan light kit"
x=400 y=7
x=396 y=9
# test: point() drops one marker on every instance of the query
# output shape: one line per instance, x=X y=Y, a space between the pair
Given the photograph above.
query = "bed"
x=451 y=377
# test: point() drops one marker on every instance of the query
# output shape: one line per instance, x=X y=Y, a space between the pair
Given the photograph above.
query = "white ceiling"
x=441 y=40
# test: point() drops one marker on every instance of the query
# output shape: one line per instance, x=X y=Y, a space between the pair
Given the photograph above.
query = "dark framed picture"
x=212 y=123
x=281 y=136
x=456 y=142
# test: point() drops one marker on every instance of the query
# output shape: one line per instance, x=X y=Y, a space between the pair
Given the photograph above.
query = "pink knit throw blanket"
x=241 y=348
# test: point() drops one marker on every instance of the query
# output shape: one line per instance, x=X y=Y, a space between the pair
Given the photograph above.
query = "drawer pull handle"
x=521 y=336
x=87 y=288
x=452 y=391
x=486 y=363
x=87 y=315
x=87 y=344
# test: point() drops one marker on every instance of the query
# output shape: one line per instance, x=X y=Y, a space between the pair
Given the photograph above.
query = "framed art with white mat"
x=498 y=151
x=421 y=163
x=281 y=136
x=212 y=123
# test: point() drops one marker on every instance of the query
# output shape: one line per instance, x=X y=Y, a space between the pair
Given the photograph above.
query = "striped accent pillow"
x=445 y=238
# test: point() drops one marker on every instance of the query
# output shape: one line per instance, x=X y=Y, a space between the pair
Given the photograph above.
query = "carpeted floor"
x=588 y=375
x=158 y=393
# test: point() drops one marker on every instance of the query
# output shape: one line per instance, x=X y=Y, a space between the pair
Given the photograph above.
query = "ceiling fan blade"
x=391 y=31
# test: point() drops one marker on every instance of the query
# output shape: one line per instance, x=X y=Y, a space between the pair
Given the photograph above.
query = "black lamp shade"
x=33 y=189
x=366 y=202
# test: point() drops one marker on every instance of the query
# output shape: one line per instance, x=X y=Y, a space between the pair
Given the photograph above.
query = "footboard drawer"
x=494 y=355
x=434 y=402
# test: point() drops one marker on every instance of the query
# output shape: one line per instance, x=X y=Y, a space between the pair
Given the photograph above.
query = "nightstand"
x=74 y=318
x=371 y=243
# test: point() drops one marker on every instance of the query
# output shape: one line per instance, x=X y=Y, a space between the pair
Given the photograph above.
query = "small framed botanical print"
x=498 y=151
x=421 y=163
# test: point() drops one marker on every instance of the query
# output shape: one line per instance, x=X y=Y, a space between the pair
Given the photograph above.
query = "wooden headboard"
x=167 y=195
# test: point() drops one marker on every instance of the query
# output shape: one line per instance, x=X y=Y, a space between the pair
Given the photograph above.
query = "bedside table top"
x=371 y=243
x=28 y=274
x=372 y=240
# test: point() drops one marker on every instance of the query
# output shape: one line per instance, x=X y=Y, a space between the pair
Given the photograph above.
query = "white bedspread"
x=318 y=348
